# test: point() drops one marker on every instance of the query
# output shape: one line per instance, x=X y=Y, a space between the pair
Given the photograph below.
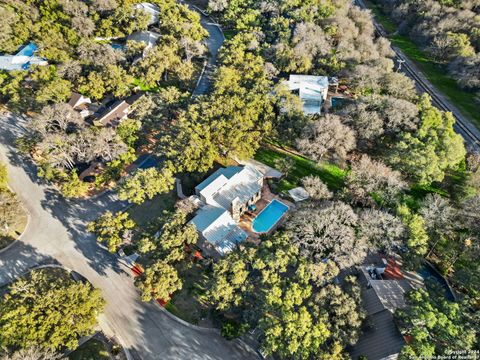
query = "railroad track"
x=471 y=137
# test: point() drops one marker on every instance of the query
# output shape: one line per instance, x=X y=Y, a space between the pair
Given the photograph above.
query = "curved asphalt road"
x=57 y=233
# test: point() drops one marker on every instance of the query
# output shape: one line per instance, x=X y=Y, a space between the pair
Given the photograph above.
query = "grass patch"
x=435 y=72
x=91 y=350
x=144 y=87
x=186 y=303
x=151 y=209
x=17 y=226
x=331 y=174
x=229 y=33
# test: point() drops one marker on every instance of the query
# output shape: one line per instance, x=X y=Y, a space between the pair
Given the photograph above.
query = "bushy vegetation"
x=47 y=310
x=448 y=30
x=13 y=217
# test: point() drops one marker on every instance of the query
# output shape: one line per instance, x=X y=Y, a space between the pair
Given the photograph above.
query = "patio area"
x=247 y=218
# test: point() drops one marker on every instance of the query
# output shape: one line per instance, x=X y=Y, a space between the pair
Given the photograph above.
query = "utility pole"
x=400 y=62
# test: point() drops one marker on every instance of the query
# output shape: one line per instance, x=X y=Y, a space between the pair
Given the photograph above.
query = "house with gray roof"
x=381 y=296
x=312 y=91
x=226 y=195
x=149 y=38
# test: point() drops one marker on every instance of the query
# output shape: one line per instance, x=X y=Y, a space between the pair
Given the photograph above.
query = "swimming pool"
x=27 y=50
x=269 y=216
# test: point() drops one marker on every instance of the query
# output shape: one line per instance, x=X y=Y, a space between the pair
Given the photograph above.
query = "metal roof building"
x=311 y=89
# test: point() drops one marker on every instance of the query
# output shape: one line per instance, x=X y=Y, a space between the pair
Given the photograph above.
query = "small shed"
x=298 y=194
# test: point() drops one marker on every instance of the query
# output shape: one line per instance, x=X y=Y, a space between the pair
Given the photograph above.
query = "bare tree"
x=328 y=232
x=103 y=5
x=97 y=54
x=327 y=135
x=369 y=177
x=58 y=117
x=316 y=188
x=33 y=353
x=382 y=230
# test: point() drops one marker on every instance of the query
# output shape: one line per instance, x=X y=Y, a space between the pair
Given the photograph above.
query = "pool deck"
x=246 y=220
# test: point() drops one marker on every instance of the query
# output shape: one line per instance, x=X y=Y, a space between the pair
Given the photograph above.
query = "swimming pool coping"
x=276 y=222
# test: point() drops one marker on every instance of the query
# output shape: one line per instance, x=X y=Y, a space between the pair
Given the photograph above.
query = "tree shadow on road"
x=18 y=259
x=75 y=215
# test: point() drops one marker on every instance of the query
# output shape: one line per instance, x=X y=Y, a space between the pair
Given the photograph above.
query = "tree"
x=316 y=188
x=416 y=227
x=159 y=281
x=55 y=118
x=430 y=150
x=341 y=309
x=112 y=229
x=145 y=184
x=284 y=165
x=175 y=235
x=370 y=182
x=382 y=230
x=328 y=232
x=3 y=177
x=72 y=187
x=32 y=353
x=327 y=135
x=47 y=311
x=434 y=326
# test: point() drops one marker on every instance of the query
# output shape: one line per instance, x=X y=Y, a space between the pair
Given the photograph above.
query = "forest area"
x=448 y=32
x=405 y=182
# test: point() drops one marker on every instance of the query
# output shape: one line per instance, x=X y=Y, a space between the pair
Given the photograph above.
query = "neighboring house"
x=149 y=38
x=311 y=89
x=383 y=291
x=82 y=104
x=22 y=60
x=226 y=195
x=114 y=114
x=151 y=9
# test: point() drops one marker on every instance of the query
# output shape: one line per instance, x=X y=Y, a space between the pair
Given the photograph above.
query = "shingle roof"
x=381 y=341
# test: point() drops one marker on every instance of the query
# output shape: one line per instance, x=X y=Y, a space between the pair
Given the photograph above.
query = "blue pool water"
x=117 y=46
x=27 y=50
x=269 y=216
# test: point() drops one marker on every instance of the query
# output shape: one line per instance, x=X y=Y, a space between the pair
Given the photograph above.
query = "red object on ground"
x=162 y=302
x=137 y=270
x=198 y=255
x=392 y=271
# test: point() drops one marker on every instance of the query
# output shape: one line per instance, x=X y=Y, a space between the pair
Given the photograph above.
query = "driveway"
x=57 y=233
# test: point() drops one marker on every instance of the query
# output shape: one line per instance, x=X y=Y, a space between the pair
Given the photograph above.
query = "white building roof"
x=311 y=89
x=218 y=228
x=148 y=37
x=234 y=182
x=151 y=9
x=19 y=62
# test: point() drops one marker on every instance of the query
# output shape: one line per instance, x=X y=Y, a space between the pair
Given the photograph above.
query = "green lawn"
x=331 y=174
x=436 y=73
x=151 y=209
x=91 y=350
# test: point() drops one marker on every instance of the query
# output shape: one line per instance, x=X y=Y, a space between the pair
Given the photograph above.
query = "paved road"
x=214 y=43
x=463 y=125
x=56 y=234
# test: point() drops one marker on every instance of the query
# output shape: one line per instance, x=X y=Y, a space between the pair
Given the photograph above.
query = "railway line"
x=462 y=126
